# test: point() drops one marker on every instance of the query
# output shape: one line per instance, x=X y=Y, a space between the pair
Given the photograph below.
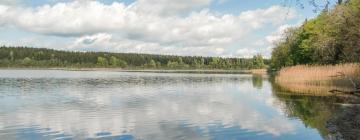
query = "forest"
x=48 y=58
x=333 y=37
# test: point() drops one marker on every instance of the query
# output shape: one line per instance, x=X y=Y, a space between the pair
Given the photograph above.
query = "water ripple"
x=116 y=105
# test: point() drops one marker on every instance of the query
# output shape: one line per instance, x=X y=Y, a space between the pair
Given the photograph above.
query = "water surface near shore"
x=56 y=104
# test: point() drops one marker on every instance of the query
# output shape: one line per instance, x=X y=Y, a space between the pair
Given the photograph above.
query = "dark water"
x=50 y=104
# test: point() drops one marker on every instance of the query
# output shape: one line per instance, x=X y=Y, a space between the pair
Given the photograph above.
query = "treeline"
x=41 y=57
x=332 y=37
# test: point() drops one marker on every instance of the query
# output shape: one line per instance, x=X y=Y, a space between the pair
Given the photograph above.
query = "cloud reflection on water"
x=146 y=107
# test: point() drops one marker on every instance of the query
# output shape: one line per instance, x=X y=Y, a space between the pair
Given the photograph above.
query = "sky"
x=225 y=28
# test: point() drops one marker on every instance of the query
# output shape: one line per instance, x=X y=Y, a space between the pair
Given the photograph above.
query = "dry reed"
x=316 y=79
x=259 y=71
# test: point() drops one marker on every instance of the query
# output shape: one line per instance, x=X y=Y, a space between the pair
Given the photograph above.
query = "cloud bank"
x=181 y=27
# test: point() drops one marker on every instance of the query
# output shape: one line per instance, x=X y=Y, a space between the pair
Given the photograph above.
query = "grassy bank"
x=319 y=79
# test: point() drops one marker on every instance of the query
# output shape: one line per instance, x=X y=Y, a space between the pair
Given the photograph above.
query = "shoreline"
x=205 y=71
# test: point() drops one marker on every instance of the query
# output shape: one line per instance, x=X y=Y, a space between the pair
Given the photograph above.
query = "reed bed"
x=259 y=71
x=319 y=79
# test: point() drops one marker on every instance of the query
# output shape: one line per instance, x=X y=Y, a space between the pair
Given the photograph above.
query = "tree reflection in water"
x=257 y=81
x=335 y=117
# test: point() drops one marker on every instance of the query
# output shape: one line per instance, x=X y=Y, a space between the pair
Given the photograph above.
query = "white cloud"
x=275 y=15
x=268 y=42
x=278 y=34
x=168 y=7
x=3 y=10
x=245 y=52
x=68 y=18
x=106 y=42
x=9 y=2
x=165 y=25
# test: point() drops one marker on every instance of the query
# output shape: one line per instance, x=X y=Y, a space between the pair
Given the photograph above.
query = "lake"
x=55 y=104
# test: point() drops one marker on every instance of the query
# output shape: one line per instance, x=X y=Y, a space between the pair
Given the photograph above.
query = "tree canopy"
x=41 y=57
x=332 y=37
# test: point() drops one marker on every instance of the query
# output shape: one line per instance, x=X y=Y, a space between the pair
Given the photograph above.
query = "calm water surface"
x=52 y=104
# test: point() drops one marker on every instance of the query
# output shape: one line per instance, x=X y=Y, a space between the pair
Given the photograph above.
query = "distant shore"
x=207 y=71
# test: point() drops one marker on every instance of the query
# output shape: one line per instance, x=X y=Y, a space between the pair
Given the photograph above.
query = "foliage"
x=331 y=38
x=101 y=61
x=39 y=57
x=258 y=62
x=27 y=61
x=116 y=62
x=152 y=64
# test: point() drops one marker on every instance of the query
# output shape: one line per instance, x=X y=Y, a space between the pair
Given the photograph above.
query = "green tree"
x=199 y=63
x=41 y=57
x=172 y=65
x=332 y=37
x=122 y=63
x=180 y=61
x=258 y=61
x=152 y=64
x=158 y=64
x=12 y=56
x=280 y=56
x=101 y=61
x=215 y=61
x=114 y=61
x=27 y=61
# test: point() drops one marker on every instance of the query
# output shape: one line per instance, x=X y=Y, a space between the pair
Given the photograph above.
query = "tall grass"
x=259 y=71
x=318 y=79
